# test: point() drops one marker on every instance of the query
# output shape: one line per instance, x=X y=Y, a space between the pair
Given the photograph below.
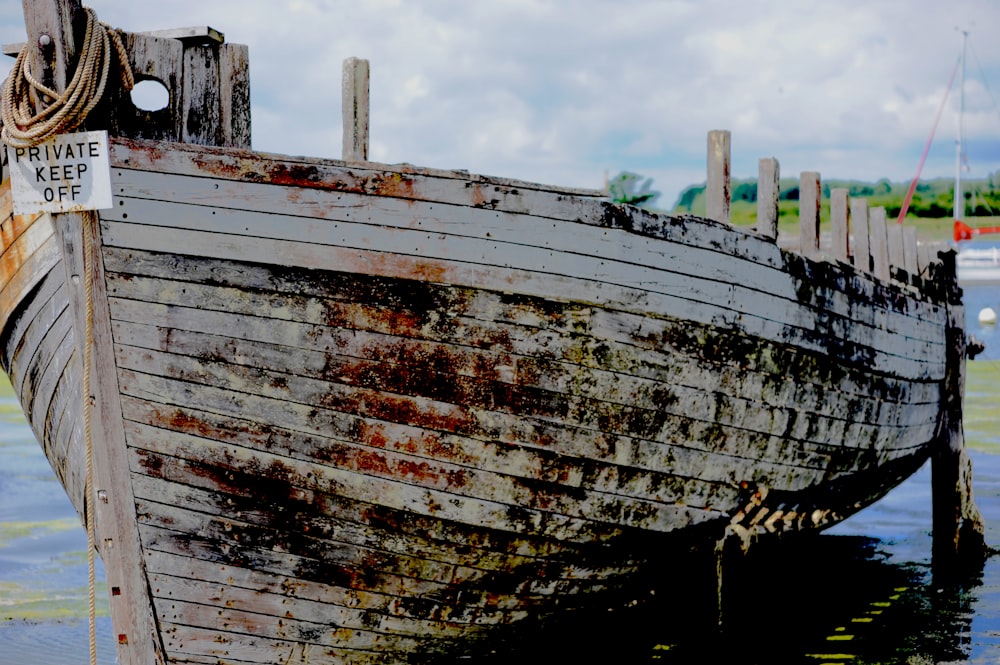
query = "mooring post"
x=717 y=192
x=768 y=193
x=878 y=242
x=911 y=261
x=355 y=109
x=840 y=224
x=810 y=194
x=957 y=523
x=859 y=224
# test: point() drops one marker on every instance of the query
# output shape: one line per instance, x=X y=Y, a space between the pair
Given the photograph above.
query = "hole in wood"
x=150 y=95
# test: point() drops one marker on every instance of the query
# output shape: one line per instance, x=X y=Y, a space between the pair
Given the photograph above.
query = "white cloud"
x=564 y=91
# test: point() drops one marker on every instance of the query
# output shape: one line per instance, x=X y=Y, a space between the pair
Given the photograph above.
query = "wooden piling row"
x=857 y=235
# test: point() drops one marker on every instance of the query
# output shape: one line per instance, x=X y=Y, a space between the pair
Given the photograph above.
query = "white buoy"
x=988 y=315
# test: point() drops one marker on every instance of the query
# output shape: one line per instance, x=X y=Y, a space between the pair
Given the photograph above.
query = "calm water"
x=861 y=593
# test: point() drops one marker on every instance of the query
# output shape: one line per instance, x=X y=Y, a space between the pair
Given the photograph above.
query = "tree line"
x=932 y=199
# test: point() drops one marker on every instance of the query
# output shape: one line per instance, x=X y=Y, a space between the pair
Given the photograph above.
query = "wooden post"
x=50 y=27
x=717 y=192
x=234 y=95
x=958 y=525
x=768 y=193
x=859 y=221
x=809 y=201
x=878 y=243
x=840 y=224
x=894 y=239
x=910 y=262
x=355 y=104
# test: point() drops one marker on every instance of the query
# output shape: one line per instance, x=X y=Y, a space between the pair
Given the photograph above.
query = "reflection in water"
x=823 y=599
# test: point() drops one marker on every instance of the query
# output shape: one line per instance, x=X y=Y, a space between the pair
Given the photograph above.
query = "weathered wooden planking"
x=477 y=192
x=316 y=200
x=572 y=351
x=29 y=253
x=257 y=167
x=689 y=303
x=39 y=360
x=421 y=487
x=209 y=647
x=357 y=576
x=480 y=318
x=535 y=371
x=23 y=334
x=812 y=332
x=372 y=359
x=882 y=417
x=358 y=523
x=416 y=448
x=357 y=214
x=328 y=522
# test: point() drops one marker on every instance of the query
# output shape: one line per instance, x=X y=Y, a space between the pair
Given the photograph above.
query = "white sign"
x=67 y=173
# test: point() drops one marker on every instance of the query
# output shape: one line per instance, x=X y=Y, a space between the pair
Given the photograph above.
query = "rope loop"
x=23 y=128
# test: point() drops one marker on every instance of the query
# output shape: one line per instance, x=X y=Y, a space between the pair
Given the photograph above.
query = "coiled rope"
x=22 y=127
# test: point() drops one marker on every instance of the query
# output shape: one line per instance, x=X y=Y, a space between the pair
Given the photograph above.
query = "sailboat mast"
x=959 y=207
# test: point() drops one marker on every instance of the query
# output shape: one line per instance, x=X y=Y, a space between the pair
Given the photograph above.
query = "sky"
x=566 y=92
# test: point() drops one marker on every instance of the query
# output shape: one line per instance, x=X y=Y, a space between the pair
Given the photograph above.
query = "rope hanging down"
x=22 y=127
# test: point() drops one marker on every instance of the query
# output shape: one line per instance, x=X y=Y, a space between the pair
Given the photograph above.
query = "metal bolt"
x=44 y=40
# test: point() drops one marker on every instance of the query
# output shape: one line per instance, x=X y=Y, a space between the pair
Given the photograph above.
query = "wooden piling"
x=768 y=193
x=958 y=525
x=840 y=224
x=894 y=241
x=355 y=105
x=717 y=187
x=910 y=261
x=809 y=206
x=878 y=242
x=859 y=223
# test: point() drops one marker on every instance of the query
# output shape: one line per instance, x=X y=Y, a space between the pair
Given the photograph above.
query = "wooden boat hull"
x=371 y=413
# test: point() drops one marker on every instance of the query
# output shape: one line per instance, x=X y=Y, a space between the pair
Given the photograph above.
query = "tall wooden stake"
x=810 y=194
x=768 y=192
x=717 y=193
x=958 y=525
x=355 y=104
